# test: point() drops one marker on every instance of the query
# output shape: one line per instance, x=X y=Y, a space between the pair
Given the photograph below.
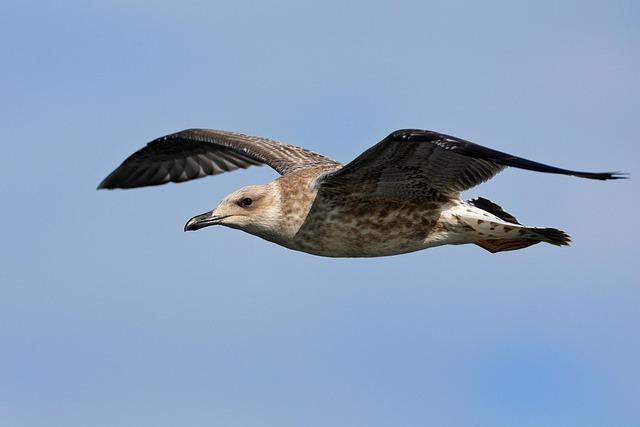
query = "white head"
x=254 y=209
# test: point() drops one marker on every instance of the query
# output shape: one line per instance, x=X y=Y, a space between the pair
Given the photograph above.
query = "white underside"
x=466 y=223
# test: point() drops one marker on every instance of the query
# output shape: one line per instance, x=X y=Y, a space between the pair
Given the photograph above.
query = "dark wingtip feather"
x=108 y=186
x=105 y=184
x=616 y=175
x=113 y=180
x=601 y=176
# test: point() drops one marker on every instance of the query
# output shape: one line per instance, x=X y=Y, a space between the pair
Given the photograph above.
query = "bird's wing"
x=413 y=163
x=195 y=153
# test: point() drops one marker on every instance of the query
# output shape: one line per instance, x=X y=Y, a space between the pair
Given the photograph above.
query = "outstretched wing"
x=425 y=164
x=195 y=153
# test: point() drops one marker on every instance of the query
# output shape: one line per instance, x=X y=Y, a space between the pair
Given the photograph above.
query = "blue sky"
x=111 y=315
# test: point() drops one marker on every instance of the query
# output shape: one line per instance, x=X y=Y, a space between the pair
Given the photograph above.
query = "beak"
x=204 y=220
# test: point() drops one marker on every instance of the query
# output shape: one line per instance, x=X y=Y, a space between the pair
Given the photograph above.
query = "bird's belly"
x=368 y=235
x=346 y=247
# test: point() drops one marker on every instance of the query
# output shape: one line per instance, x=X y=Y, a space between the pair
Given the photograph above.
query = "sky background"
x=111 y=315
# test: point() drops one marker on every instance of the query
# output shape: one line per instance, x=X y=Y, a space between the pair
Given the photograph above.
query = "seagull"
x=399 y=196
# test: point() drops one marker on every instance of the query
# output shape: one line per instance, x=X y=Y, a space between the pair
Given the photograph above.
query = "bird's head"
x=254 y=209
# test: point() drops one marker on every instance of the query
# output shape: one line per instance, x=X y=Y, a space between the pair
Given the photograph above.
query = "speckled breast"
x=339 y=226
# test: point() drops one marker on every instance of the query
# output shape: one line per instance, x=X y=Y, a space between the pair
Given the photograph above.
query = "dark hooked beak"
x=204 y=220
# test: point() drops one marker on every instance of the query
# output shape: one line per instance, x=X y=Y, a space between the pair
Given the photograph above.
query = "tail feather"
x=551 y=235
x=528 y=236
x=503 y=245
x=496 y=230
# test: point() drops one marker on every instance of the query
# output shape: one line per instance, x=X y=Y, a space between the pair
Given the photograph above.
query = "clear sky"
x=110 y=315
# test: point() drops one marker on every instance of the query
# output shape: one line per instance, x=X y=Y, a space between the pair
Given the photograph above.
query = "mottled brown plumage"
x=399 y=196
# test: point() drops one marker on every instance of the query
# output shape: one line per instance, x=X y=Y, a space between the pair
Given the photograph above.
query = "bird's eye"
x=246 y=202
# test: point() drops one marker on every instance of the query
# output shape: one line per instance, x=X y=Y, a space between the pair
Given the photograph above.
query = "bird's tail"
x=550 y=235
x=526 y=236
x=506 y=233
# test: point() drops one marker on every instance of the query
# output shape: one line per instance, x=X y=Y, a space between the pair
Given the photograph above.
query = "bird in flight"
x=399 y=196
